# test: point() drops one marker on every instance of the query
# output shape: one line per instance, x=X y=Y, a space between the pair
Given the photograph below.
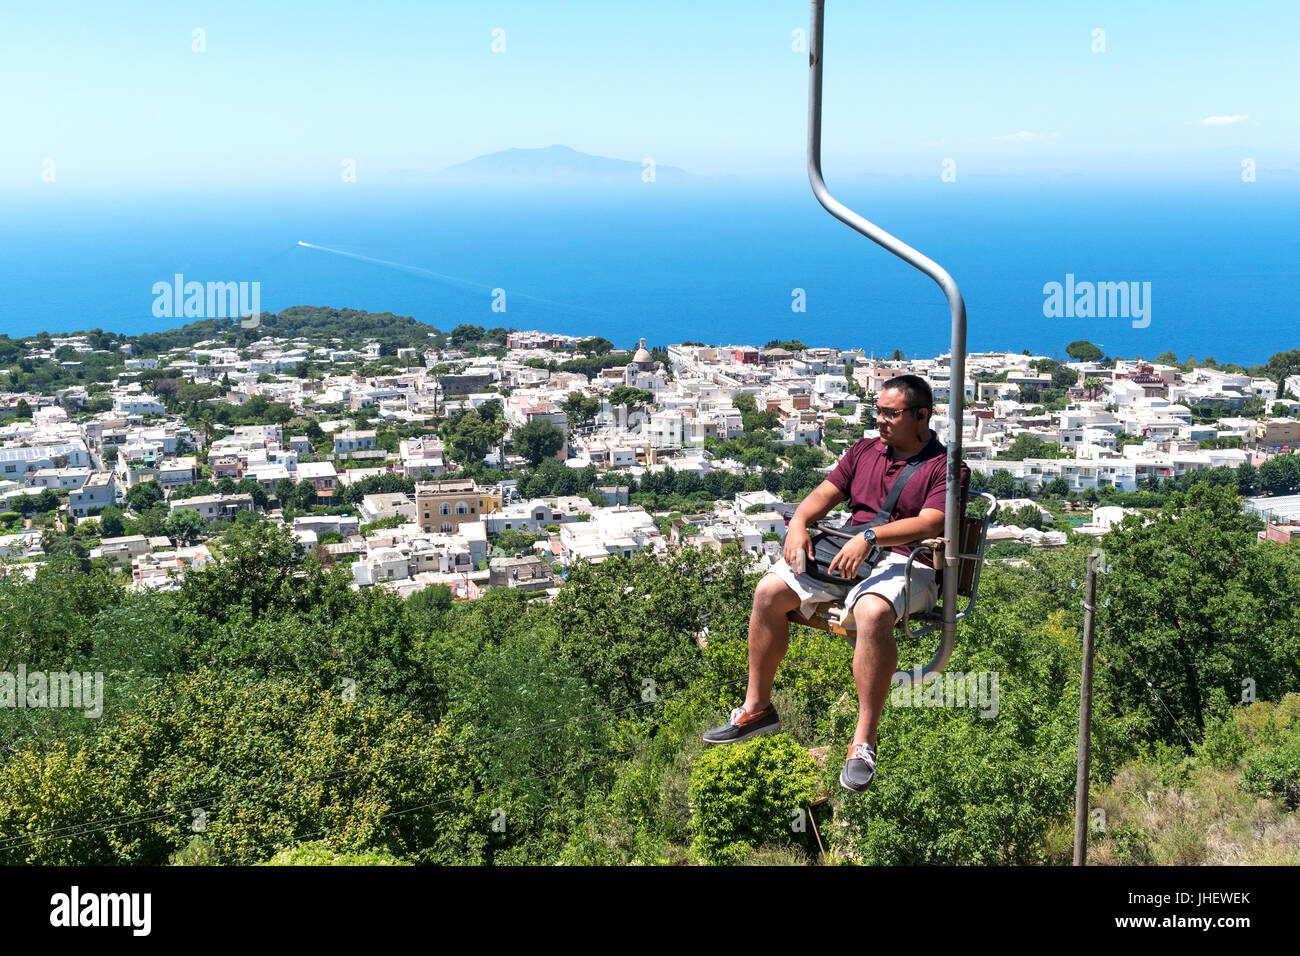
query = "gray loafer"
x=859 y=770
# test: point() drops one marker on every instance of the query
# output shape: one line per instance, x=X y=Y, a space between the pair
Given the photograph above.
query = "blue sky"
x=286 y=90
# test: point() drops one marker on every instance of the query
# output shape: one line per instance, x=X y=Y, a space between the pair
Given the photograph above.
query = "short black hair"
x=915 y=389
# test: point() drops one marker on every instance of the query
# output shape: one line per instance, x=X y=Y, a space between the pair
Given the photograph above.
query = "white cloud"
x=1223 y=120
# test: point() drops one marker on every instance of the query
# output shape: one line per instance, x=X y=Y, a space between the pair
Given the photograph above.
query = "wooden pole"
x=1085 y=719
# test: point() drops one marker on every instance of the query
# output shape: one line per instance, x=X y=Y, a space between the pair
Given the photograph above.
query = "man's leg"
x=875 y=658
x=769 y=638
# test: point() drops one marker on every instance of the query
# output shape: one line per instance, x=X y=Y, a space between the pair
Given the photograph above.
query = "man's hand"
x=846 y=562
x=798 y=544
x=797 y=541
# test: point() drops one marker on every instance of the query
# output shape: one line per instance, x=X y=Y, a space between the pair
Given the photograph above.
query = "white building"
x=214 y=507
x=60 y=479
x=665 y=428
x=382 y=507
x=350 y=441
x=99 y=491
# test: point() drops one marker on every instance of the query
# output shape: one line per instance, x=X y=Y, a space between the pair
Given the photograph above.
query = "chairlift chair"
x=959 y=554
x=832 y=617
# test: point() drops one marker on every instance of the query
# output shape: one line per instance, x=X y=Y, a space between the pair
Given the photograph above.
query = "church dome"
x=643 y=357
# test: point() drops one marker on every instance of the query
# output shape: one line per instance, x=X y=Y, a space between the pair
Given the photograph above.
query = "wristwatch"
x=869 y=536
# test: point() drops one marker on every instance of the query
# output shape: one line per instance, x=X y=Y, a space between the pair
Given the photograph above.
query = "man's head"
x=904 y=409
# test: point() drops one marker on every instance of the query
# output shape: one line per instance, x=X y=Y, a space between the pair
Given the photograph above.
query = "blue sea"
x=714 y=263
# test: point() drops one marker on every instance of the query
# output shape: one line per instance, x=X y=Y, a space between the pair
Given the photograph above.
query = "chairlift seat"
x=832 y=616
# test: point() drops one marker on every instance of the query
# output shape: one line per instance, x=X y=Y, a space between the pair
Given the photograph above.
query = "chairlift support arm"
x=957 y=356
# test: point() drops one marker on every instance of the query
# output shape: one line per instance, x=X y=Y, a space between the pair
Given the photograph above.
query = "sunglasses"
x=892 y=414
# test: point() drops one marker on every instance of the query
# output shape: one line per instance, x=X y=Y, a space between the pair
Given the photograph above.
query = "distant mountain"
x=552 y=164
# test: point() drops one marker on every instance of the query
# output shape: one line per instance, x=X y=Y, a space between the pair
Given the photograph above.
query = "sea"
x=722 y=262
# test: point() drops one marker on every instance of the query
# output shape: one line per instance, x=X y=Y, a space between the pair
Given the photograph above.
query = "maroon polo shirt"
x=867 y=472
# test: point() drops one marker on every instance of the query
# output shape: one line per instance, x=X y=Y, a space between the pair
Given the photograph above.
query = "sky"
x=117 y=98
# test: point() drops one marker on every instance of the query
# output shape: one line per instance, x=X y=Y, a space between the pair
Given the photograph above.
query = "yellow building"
x=441 y=506
x=1278 y=431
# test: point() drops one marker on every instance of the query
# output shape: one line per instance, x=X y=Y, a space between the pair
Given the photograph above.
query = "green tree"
x=273 y=764
x=1197 y=603
x=538 y=440
x=1280 y=475
x=629 y=620
x=464 y=334
x=1002 y=484
x=1283 y=365
x=286 y=492
x=631 y=397
x=1247 y=479
x=144 y=495
x=472 y=435
x=1030 y=446
x=304 y=493
x=319 y=853
x=579 y=409
x=1027 y=516
x=185 y=525
x=1083 y=351
x=1056 y=487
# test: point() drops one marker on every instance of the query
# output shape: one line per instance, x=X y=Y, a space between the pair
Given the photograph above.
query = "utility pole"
x=1085 y=718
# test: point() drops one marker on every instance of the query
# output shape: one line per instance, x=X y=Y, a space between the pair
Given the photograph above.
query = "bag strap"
x=895 y=492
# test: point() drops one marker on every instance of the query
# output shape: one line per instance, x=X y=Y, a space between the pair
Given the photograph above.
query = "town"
x=485 y=458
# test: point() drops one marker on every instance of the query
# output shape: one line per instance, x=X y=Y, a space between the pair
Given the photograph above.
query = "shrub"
x=321 y=854
x=1258 y=723
x=1132 y=846
x=1275 y=772
x=955 y=788
x=1224 y=743
x=745 y=795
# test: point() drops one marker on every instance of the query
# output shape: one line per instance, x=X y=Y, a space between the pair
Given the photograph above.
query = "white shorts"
x=887 y=579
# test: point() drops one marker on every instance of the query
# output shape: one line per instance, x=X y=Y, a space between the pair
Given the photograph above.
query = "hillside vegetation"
x=267 y=712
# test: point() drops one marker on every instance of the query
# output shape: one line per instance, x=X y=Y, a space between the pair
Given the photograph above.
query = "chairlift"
x=959 y=555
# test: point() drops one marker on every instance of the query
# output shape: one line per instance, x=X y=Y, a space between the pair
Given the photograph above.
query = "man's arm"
x=813 y=508
x=928 y=524
x=816 y=506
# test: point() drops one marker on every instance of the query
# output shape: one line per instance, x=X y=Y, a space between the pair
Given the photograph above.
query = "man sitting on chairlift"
x=875 y=604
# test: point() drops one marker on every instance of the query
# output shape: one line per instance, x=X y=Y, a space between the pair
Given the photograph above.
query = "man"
x=863 y=477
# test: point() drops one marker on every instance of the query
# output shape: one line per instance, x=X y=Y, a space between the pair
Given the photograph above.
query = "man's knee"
x=874 y=615
x=774 y=595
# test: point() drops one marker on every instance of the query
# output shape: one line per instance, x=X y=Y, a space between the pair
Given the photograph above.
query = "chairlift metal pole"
x=1085 y=718
x=957 y=357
